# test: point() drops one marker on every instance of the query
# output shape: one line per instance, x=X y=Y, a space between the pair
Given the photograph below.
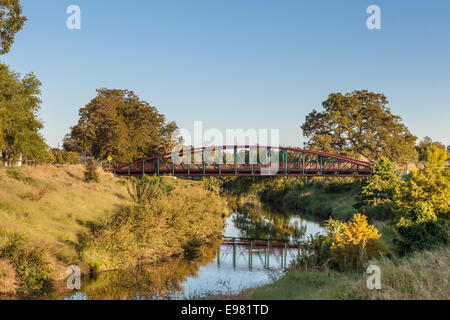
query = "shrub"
x=422 y=236
x=317 y=253
x=144 y=189
x=356 y=232
x=17 y=175
x=420 y=229
x=420 y=213
x=383 y=211
x=181 y=218
x=355 y=241
x=29 y=264
x=346 y=244
x=212 y=183
x=90 y=172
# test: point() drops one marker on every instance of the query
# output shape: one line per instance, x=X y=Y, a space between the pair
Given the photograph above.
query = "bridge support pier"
x=234 y=253
x=218 y=256
x=250 y=255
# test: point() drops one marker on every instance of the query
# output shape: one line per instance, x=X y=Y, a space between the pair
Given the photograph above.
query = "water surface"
x=220 y=269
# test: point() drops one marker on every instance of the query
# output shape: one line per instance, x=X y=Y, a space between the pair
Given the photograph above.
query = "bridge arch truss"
x=242 y=160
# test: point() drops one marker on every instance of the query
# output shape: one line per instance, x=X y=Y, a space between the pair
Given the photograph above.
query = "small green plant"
x=144 y=189
x=90 y=172
x=17 y=175
x=317 y=254
x=212 y=183
x=36 y=196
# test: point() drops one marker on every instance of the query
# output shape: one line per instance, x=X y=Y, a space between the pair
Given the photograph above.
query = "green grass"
x=322 y=202
x=422 y=275
x=301 y=286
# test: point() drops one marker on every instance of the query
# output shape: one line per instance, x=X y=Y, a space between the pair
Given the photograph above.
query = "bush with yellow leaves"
x=354 y=242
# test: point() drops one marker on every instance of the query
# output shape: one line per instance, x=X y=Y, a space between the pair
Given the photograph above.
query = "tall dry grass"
x=420 y=276
x=423 y=275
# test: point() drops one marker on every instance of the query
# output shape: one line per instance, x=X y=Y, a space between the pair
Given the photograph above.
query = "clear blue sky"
x=239 y=63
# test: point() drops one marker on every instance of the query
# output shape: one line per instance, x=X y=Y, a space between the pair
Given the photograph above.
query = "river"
x=221 y=269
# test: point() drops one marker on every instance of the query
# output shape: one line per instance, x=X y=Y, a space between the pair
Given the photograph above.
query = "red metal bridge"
x=247 y=161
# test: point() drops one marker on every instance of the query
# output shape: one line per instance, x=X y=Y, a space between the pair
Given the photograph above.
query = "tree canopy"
x=19 y=123
x=359 y=123
x=118 y=123
x=423 y=145
x=11 y=21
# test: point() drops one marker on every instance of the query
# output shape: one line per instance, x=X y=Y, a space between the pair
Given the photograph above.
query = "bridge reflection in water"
x=257 y=253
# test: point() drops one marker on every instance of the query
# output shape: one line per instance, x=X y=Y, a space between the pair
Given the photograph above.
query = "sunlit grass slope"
x=49 y=207
x=50 y=218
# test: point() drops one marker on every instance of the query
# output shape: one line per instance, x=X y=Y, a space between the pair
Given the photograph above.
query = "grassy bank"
x=422 y=275
x=180 y=222
x=42 y=211
x=324 y=199
x=50 y=219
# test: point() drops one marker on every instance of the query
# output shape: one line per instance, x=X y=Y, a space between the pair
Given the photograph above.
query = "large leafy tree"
x=118 y=123
x=19 y=122
x=359 y=124
x=11 y=21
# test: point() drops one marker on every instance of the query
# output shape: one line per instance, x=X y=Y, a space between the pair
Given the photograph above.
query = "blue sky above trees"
x=239 y=63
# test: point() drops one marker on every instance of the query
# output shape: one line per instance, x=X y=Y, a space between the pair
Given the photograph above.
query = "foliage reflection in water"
x=216 y=269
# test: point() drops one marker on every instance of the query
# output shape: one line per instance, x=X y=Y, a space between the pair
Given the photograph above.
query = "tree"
x=423 y=145
x=376 y=197
x=118 y=123
x=359 y=123
x=428 y=185
x=19 y=123
x=11 y=21
x=70 y=144
x=58 y=156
